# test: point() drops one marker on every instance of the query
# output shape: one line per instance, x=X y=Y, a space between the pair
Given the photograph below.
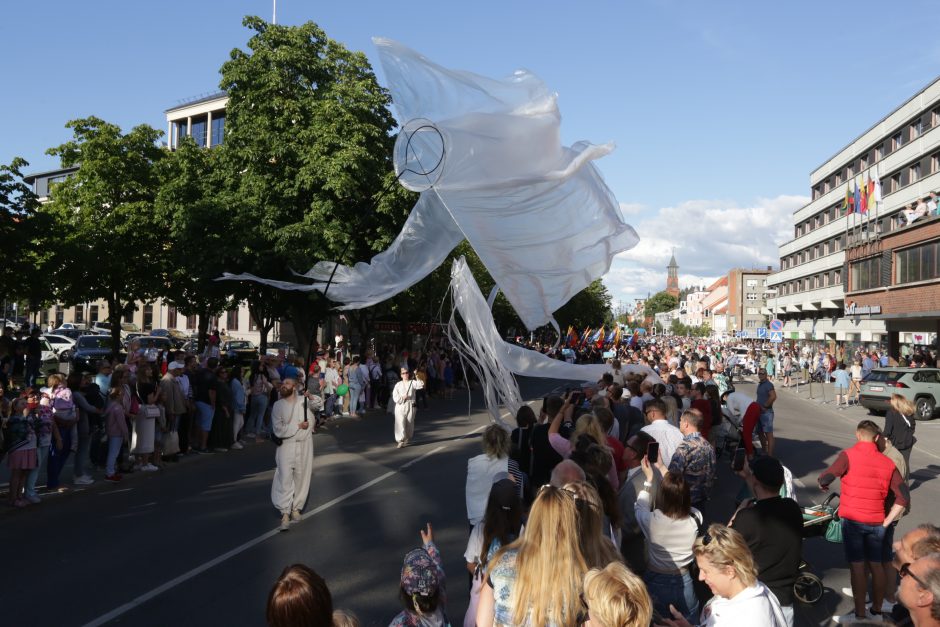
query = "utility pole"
x=274 y=13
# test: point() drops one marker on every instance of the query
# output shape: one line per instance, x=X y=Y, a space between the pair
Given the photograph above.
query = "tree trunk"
x=203 y=330
x=114 y=320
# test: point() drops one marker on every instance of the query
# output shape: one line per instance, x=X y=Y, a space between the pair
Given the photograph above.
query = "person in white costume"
x=403 y=395
x=294 y=456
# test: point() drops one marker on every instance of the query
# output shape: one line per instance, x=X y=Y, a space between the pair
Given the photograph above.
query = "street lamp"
x=773 y=316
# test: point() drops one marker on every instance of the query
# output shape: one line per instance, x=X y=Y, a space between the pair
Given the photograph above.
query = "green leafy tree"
x=21 y=226
x=589 y=307
x=660 y=302
x=107 y=243
x=307 y=151
x=193 y=212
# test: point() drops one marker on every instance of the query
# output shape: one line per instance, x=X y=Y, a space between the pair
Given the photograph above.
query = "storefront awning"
x=793 y=309
x=810 y=307
x=766 y=312
x=828 y=304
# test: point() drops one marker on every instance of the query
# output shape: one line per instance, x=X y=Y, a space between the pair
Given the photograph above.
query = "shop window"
x=171 y=318
x=866 y=274
x=916 y=264
x=231 y=320
x=93 y=314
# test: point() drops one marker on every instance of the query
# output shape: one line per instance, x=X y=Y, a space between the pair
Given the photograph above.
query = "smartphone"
x=544 y=404
x=737 y=464
x=652 y=452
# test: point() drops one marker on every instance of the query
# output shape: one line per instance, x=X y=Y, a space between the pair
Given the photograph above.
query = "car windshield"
x=239 y=345
x=94 y=341
x=883 y=375
x=152 y=342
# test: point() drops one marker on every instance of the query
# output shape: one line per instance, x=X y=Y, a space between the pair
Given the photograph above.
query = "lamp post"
x=773 y=316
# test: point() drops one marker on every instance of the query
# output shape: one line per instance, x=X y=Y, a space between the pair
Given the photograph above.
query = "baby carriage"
x=817 y=521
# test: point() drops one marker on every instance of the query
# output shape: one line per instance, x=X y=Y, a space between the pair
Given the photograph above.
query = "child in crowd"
x=21 y=456
x=40 y=406
x=422 y=591
x=116 y=426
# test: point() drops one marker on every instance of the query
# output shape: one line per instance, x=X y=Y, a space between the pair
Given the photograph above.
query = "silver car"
x=920 y=385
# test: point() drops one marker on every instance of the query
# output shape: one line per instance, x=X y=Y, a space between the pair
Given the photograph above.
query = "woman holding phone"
x=670 y=530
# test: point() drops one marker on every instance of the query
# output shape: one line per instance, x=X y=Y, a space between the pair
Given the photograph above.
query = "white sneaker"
x=84 y=480
x=851 y=618
x=149 y=468
x=285 y=522
x=237 y=446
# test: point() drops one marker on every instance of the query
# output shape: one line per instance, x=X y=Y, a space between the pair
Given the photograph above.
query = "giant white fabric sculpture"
x=486 y=156
x=495 y=361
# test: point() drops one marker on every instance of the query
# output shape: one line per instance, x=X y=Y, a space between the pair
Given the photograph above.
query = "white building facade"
x=902 y=152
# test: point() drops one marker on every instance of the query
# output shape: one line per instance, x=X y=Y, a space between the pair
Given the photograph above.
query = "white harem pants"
x=292 y=478
x=404 y=421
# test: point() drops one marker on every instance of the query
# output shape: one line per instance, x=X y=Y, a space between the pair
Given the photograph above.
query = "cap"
x=419 y=574
x=504 y=492
x=175 y=365
x=769 y=471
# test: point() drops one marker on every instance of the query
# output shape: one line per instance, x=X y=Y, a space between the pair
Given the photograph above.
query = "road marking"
x=169 y=585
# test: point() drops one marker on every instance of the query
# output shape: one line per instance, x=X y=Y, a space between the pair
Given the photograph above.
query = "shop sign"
x=855 y=310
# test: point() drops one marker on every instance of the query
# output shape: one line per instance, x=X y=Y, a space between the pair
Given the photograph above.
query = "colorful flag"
x=586 y=336
x=876 y=189
x=635 y=338
x=847 y=203
x=863 y=206
x=599 y=337
x=858 y=195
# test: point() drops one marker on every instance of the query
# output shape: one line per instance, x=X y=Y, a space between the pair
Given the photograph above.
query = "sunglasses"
x=905 y=571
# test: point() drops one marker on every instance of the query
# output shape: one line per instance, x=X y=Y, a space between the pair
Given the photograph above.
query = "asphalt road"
x=197 y=543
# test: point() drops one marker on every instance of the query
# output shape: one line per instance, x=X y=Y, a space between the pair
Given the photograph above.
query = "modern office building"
x=902 y=152
x=201 y=118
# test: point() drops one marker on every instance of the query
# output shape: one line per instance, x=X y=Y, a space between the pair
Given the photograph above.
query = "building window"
x=915 y=173
x=199 y=128
x=895 y=183
x=751 y=296
x=934 y=162
x=839 y=178
x=180 y=130
x=171 y=318
x=879 y=152
x=753 y=311
x=93 y=314
x=917 y=128
x=191 y=322
x=826 y=187
x=79 y=314
x=838 y=277
x=751 y=284
x=863 y=163
x=865 y=274
x=148 y=317
x=231 y=320
x=916 y=264
x=218 y=127
x=59 y=316
x=897 y=140
x=935 y=117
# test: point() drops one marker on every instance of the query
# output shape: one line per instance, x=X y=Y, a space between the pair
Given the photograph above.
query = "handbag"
x=151 y=411
x=171 y=443
x=834 y=530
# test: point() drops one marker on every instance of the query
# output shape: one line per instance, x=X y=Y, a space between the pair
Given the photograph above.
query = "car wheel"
x=925 y=408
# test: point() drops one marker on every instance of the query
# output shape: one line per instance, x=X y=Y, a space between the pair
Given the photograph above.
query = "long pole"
x=274 y=13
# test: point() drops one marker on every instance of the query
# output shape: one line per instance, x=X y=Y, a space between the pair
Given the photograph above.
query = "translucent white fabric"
x=486 y=156
x=495 y=361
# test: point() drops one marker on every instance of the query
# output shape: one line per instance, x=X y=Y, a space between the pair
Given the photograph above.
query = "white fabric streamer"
x=495 y=361
x=486 y=156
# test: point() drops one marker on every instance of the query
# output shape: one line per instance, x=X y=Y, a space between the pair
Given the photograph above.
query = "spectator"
x=843 y=384
x=899 y=428
x=86 y=409
x=260 y=392
x=536 y=580
x=47 y=434
x=544 y=457
x=633 y=541
x=701 y=402
x=594 y=530
x=916 y=543
x=866 y=478
x=520 y=445
x=116 y=427
x=614 y=596
x=21 y=433
x=745 y=413
x=501 y=524
x=299 y=597
x=772 y=527
x=422 y=592
x=588 y=426
x=567 y=472
x=920 y=590
x=694 y=459
x=727 y=567
x=482 y=469
x=668 y=436
x=670 y=530
x=65 y=415
x=205 y=390
x=630 y=419
x=766 y=397
x=238 y=406
x=174 y=400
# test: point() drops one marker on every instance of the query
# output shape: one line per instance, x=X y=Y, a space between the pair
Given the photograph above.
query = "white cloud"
x=710 y=237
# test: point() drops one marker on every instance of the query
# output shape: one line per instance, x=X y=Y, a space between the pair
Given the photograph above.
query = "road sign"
x=776 y=336
x=761 y=333
x=776 y=324
x=742 y=334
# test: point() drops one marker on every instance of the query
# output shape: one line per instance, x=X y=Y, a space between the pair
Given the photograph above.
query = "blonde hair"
x=496 y=442
x=596 y=548
x=54 y=380
x=590 y=425
x=549 y=565
x=724 y=547
x=902 y=405
x=616 y=597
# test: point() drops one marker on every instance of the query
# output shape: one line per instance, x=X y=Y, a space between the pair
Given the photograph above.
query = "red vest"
x=866 y=484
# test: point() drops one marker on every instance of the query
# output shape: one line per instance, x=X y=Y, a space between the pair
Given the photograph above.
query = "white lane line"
x=169 y=585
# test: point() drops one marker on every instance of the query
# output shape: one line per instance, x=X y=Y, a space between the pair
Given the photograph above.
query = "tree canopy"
x=659 y=302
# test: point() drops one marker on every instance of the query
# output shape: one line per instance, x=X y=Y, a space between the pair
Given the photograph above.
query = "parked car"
x=177 y=338
x=72 y=325
x=152 y=345
x=50 y=360
x=72 y=334
x=61 y=345
x=275 y=347
x=920 y=385
x=238 y=352
x=90 y=350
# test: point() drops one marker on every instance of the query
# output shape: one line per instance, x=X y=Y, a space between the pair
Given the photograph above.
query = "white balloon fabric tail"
x=495 y=361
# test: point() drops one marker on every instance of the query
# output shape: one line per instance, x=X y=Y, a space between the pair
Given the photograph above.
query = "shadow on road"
x=923 y=475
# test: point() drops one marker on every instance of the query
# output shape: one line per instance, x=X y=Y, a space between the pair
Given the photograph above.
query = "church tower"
x=672 y=279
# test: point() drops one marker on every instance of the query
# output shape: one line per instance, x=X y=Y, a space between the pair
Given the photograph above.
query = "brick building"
x=895 y=278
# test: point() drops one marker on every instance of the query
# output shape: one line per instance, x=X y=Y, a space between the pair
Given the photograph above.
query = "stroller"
x=808 y=588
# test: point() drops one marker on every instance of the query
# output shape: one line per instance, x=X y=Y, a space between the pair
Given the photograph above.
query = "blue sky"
x=719 y=109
